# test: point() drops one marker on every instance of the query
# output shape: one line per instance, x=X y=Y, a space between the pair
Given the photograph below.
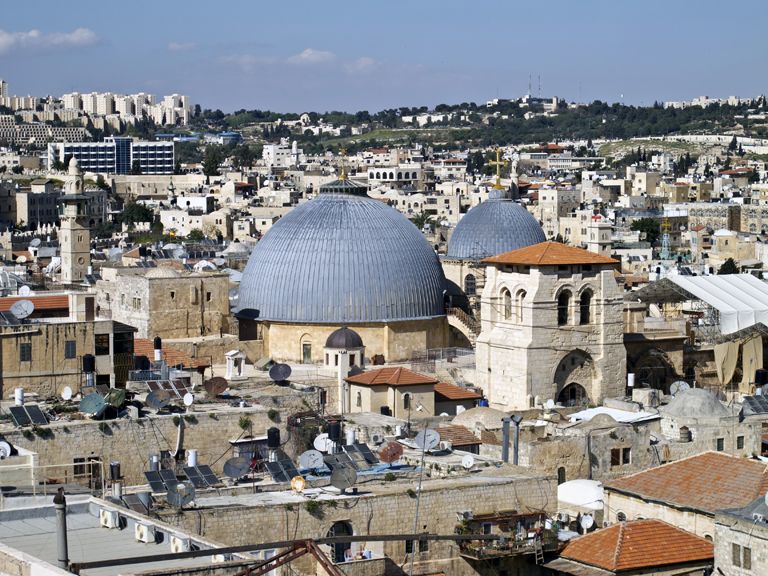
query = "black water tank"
x=323 y=397
x=334 y=431
x=89 y=363
x=114 y=471
x=761 y=377
x=157 y=343
x=142 y=251
x=273 y=438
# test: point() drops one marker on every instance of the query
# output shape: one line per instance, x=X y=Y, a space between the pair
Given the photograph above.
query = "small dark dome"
x=344 y=338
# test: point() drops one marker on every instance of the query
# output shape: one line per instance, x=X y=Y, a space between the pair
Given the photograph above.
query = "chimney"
x=505 y=438
x=60 y=502
x=158 y=347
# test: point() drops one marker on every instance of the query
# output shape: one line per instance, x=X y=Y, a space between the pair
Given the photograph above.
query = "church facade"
x=552 y=328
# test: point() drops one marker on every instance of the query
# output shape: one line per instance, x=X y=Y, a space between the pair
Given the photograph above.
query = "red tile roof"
x=58 y=302
x=488 y=437
x=453 y=392
x=391 y=377
x=458 y=435
x=549 y=254
x=172 y=356
x=706 y=482
x=638 y=544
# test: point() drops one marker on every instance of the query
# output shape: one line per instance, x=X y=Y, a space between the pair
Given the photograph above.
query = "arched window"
x=470 y=285
x=506 y=299
x=561 y=475
x=406 y=401
x=585 y=305
x=359 y=400
x=399 y=175
x=341 y=551
x=391 y=175
x=621 y=517
x=378 y=175
x=563 y=304
x=519 y=305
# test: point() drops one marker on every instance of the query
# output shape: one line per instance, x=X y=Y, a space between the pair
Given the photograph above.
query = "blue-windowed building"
x=116 y=155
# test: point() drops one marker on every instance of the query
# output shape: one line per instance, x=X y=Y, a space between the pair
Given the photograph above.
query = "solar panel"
x=756 y=404
x=102 y=389
x=155 y=481
x=35 y=414
x=289 y=469
x=337 y=460
x=20 y=416
x=360 y=452
x=195 y=477
x=153 y=385
x=208 y=475
x=168 y=477
x=133 y=502
x=276 y=471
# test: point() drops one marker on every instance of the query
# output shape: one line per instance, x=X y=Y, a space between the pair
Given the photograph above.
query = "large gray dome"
x=342 y=258
x=494 y=227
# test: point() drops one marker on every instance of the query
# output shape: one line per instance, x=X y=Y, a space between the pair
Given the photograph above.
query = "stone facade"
x=732 y=536
x=527 y=353
x=164 y=302
x=634 y=508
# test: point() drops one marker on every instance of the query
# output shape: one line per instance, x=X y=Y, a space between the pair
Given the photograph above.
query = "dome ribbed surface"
x=342 y=258
x=344 y=338
x=494 y=227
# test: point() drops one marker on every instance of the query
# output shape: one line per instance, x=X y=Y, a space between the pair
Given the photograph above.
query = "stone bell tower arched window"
x=563 y=306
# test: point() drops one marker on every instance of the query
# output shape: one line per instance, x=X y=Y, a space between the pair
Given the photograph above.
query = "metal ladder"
x=539 y=550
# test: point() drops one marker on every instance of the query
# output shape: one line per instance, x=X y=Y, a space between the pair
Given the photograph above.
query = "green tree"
x=733 y=145
x=728 y=267
x=101 y=183
x=195 y=235
x=157 y=228
x=134 y=212
x=18 y=169
x=212 y=159
x=422 y=219
x=649 y=226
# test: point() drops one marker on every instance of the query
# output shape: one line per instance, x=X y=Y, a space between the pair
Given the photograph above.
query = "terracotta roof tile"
x=391 y=377
x=706 y=482
x=458 y=435
x=172 y=356
x=488 y=437
x=638 y=544
x=549 y=254
x=453 y=392
x=59 y=301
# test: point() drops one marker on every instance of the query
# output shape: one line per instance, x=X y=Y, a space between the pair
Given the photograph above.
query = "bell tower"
x=74 y=234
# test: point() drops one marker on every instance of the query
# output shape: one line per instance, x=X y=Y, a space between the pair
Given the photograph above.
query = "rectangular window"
x=615 y=456
x=25 y=352
x=423 y=545
x=207 y=296
x=70 y=349
x=736 y=555
x=626 y=455
x=720 y=444
x=79 y=468
x=746 y=558
x=740 y=442
x=409 y=546
x=173 y=295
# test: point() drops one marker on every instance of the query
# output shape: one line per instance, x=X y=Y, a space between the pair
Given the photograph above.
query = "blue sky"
x=363 y=55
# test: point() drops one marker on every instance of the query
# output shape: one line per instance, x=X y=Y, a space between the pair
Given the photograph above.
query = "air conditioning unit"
x=144 y=533
x=446 y=445
x=758 y=517
x=377 y=438
x=464 y=515
x=109 y=518
x=179 y=544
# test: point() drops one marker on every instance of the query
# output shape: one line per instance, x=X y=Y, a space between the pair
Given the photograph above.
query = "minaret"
x=74 y=235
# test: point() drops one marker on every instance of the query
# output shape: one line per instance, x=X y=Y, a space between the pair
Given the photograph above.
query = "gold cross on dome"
x=499 y=163
x=343 y=153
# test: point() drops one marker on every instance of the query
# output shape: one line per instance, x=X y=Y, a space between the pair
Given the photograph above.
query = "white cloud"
x=248 y=62
x=361 y=65
x=312 y=56
x=34 y=39
x=180 y=46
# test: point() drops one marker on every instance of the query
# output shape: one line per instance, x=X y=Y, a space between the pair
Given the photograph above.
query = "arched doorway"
x=573 y=395
x=653 y=369
x=339 y=551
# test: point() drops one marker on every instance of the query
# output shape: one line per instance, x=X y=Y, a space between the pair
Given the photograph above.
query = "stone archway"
x=653 y=368
x=573 y=394
x=577 y=368
x=339 y=552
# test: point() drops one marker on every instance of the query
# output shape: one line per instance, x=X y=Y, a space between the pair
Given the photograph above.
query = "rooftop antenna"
x=425 y=440
x=539 y=85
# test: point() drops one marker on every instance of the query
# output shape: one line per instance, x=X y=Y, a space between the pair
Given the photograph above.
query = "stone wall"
x=386 y=509
x=730 y=530
x=634 y=508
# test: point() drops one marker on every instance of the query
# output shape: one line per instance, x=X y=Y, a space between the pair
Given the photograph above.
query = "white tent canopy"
x=740 y=299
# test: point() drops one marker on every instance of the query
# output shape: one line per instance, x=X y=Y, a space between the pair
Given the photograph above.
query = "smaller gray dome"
x=695 y=403
x=344 y=338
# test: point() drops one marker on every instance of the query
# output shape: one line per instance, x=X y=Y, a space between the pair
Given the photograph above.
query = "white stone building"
x=551 y=328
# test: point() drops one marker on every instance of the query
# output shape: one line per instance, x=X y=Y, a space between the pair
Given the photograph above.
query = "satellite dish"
x=678 y=386
x=22 y=308
x=25 y=291
x=391 y=452
x=35 y=243
x=549 y=404
x=188 y=399
x=587 y=522
x=66 y=393
x=115 y=397
x=219 y=261
x=93 y=404
x=158 y=399
x=237 y=467
x=468 y=461
x=215 y=386
x=343 y=477
x=321 y=442
x=21 y=259
x=180 y=494
x=280 y=372
x=5 y=450
x=311 y=460
x=179 y=253
x=427 y=439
